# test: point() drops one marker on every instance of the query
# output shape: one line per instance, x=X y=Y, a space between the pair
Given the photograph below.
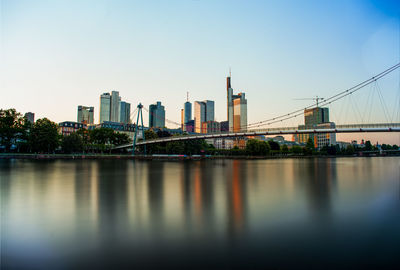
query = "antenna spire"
x=187 y=96
x=229 y=71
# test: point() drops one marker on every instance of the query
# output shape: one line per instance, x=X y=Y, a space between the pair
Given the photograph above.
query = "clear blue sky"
x=56 y=55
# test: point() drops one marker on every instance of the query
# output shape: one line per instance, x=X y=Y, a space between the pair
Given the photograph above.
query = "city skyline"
x=176 y=51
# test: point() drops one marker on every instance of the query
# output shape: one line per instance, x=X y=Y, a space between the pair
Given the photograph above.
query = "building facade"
x=85 y=115
x=157 y=115
x=68 y=127
x=203 y=112
x=105 y=107
x=115 y=109
x=30 y=116
x=125 y=112
x=236 y=109
x=317 y=118
x=210 y=127
x=186 y=115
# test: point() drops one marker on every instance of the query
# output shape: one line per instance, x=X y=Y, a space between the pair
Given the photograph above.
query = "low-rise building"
x=67 y=127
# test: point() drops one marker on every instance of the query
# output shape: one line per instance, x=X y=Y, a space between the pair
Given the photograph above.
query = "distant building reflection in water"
x=320 y=178
x=236 y=196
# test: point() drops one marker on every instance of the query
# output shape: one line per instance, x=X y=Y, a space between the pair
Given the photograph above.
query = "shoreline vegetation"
x=174 y=157
x=43 y=139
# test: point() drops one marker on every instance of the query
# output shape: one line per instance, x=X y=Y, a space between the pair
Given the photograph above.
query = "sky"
x=56 y=55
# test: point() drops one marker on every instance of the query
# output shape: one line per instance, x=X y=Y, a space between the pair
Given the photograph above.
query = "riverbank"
x=167 y=157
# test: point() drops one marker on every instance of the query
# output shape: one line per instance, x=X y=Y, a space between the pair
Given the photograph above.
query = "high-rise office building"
x=186 y=113
x=30 y=116
x=125 y=112
x=210 y=127
x=236 y=109
x=157 y=115
x=317 y=118
x=111 y=108
x=105 y=107
x=115 y=109
x=203 y=112
x=85 y=114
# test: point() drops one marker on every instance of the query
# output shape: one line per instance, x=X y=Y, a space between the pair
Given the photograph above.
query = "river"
x=287 y=213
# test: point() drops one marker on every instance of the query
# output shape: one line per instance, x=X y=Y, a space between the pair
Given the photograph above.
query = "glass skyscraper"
x=157 y=115
x=105 y=107
x=203 y=112
x=85 y=114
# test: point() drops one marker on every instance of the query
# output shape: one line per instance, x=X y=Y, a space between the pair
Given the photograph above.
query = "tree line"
x=17 y=134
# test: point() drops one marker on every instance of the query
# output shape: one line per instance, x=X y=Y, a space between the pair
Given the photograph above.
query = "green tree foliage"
x=257 y=147
x=101 y=136
x=175 y=148
x=368 y=146
x=11 y=127
x=274 y=145
x=44 y=136
x=309 y=149
x=284 y=149
x=350 y=150
x=331 y=150
x=119 y=138
x=72 y=143
x=296 y=149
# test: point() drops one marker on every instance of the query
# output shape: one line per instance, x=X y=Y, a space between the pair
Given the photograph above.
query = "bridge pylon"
x=140 y=113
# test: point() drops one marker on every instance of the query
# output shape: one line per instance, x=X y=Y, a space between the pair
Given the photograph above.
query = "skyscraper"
x=317 y=118
x=125 y=112
x=236 y=109
x=105 y=107
x=157 y=115
x=187 y=111
x=203 y=112
x=85 y=114
x=30 y=116
x=115 y=110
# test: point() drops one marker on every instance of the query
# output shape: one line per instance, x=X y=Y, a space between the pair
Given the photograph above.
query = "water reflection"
x=72 y=213
x=320 y=180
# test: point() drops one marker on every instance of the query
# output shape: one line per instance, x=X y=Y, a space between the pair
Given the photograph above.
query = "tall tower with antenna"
x=236 y=108
x=186 y=113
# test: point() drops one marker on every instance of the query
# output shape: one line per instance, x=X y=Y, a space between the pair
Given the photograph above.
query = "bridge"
x=253 y=130
x=275 y=131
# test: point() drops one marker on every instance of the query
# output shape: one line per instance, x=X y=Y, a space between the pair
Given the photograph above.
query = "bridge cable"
x=330 y=99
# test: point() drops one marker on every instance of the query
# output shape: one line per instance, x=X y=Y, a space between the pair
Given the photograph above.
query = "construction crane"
x=317 y=99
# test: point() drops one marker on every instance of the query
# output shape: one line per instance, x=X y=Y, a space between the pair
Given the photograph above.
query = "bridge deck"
x=282 y=131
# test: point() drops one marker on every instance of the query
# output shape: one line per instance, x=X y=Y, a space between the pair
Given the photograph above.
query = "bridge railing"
x=384 y=127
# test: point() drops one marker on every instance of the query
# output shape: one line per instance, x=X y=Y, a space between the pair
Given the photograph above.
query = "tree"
x=368 y=146
x=44 y=136
x=257 y=147
x=101 y=136
x=284 y=148
x=175 y=148
x=308 y=150
x=119 y=138
x=72 y=143
x=331 y=150
x=274 y=145
x=296 y=149
x=11 y=127
x=350 y=150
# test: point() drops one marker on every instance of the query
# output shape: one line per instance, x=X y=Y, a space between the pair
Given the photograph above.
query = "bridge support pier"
x=140 y=113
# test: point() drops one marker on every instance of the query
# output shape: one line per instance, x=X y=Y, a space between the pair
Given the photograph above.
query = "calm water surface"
x=248 y=214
